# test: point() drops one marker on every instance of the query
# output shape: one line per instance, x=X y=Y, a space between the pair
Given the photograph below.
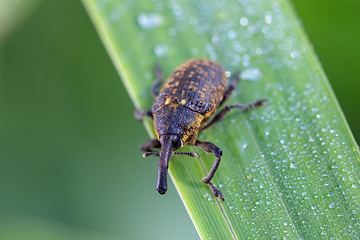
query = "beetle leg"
x=218 y=117
x=139 y=114
x=231 y=88
x=159 y=80
x=209 y=147
x=151 y=144
x=217 y=193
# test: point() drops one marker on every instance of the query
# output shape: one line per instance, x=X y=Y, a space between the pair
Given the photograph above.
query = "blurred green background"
x=70 y=167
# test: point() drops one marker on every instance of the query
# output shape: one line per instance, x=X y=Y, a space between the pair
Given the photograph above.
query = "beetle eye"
x=176 y=142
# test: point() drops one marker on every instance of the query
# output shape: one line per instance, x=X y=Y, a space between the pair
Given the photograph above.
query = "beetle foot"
x=139 y=114
x=151 y=153
x=257 y=103
x=217 y=193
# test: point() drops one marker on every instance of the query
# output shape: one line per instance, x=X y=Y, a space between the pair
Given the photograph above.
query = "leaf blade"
x=271 y=154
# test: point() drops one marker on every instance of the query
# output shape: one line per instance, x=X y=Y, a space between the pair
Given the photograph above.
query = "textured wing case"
x=198 y=84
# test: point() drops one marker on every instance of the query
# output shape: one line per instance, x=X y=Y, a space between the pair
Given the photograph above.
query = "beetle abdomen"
x=198 y=84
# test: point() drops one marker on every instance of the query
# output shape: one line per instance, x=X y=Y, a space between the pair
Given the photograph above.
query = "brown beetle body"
x=189 y=97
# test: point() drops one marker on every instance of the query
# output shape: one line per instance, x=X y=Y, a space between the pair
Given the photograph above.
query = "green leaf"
x=290 y=169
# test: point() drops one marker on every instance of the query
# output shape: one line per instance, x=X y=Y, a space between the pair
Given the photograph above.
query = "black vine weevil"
x=189 y=97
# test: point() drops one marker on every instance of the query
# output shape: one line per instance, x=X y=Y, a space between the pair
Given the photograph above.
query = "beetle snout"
x=162 y=181
x=161 y=190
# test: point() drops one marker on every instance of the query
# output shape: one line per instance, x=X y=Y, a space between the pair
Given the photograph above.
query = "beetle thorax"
x=174 y=119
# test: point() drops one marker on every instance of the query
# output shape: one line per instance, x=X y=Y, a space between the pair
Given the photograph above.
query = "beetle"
x=183 y=107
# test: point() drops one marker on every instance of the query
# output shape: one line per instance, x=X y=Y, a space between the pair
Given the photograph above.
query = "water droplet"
x=252 y=74
x=294 y=54
x=215 y=39
x=149 y=20
x=244 y=21
x=293 y=165
x=314 y=109
x=161 y=50
x=332 y=205
x=258 y=51
x=231 y=34
x=268 y=19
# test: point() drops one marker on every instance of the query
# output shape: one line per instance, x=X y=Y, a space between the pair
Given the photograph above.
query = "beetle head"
x=169 y=143
x=175 y=140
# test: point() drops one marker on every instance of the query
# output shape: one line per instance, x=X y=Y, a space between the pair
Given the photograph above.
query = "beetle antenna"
x=190 y=154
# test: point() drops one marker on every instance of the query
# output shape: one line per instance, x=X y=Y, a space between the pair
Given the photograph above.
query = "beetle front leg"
x=209 y=147
x=149 y=145
x=139 y=114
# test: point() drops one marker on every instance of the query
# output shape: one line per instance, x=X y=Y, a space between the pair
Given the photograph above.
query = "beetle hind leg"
x=218 y=117
x=231 y=88
x=159 y=80
x=209 y=147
